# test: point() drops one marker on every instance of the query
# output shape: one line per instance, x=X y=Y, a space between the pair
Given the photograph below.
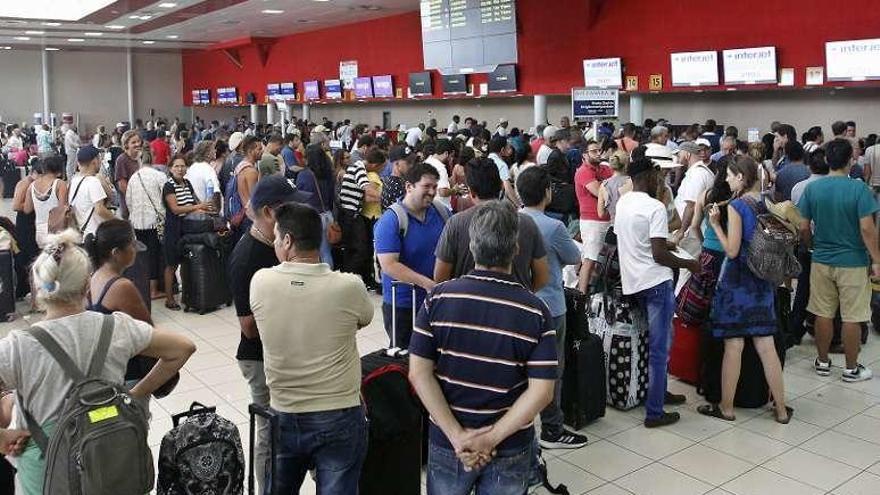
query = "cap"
x=235 y=139
x=660 y=155
x=275 y=190
x=638 y=167
x=502 y=120
x=319 y=128
x=87 y=153
x=703 y=142
x=689 y=146
x=399 y=152
x=549 y=131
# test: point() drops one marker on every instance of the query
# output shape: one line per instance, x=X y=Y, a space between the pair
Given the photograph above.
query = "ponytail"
x=61 y=272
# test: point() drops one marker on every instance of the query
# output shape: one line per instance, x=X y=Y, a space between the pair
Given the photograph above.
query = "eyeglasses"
x=594 y=151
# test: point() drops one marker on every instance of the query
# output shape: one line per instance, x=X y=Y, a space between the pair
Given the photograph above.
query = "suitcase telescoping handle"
x=270 y=416
x=194 y=409
x=395 y=351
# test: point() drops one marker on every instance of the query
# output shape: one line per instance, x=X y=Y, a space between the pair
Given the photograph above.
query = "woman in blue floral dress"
x=743 y=305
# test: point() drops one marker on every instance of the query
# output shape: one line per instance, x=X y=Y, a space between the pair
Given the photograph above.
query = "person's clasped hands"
x=475 y=448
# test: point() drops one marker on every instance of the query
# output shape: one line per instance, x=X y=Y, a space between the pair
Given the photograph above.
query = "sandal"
x=788 y=410
x=173 y=306
x=714 y=411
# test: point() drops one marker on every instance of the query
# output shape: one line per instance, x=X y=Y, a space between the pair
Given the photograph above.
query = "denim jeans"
x=551 y=416
x=801 y=298
x=325 y=250
x=507 y=474
x=255 y=375
x=334 y=443
x=659 y=303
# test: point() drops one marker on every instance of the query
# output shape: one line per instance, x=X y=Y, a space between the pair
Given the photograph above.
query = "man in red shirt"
x=160 y=148
x=593 y=227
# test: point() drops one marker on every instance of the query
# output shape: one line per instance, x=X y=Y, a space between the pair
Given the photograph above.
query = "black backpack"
x=201 y=455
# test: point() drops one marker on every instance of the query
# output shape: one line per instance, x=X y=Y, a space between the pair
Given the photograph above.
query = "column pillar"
x=130 y=81
x=307 y=111
x=45 y=66
x=270 y=113
x=540 y=110
x=636 y=108
x=255 y=113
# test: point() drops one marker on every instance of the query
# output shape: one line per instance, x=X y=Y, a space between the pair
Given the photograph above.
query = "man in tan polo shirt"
x=308 y=316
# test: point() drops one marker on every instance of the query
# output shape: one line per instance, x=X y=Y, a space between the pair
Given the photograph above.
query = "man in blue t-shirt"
x=407 y=254
x=483 y=361
x=843 y=236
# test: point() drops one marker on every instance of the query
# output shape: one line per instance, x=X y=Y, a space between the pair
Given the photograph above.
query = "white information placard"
x=348 y=72
x=603 y=73
x=855 y=60
x=750 y=65
x=694 y=68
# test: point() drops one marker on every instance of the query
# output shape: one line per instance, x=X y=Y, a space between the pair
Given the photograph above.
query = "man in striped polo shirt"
x=483 y=361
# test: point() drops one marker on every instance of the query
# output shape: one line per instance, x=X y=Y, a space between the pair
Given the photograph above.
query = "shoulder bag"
x=160 y=219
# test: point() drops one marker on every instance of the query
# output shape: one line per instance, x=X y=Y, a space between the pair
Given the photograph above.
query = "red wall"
x=554 y=37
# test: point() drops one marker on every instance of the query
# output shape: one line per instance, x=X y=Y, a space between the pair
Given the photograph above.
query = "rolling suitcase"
x=203 y=271
x=7 y=286
x=200 y=455
x=396 y=420
x=684 y=355
x=268 y=415
x=583 y=379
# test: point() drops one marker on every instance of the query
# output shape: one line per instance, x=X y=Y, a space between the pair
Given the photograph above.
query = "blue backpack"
x=235 y=211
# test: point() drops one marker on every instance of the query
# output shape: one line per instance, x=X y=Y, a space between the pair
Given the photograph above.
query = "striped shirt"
x=488 y=336
x=354 y=182
x=183 y=193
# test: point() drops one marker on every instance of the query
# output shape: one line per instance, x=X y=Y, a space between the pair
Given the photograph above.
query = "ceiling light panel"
x=55 y=10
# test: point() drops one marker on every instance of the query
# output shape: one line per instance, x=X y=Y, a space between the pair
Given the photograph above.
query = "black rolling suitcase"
x=396 y=420
x=7 y=286
x=272 y=418
x=203 y=271
x=583 y=380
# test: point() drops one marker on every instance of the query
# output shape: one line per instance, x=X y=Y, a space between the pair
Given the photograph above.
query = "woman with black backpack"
x=744 y=304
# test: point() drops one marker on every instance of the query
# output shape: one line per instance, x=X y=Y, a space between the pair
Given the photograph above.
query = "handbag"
x=563 y=199
x=693 y=301
x=334 y=230
x=63 y=217
x=160 y=219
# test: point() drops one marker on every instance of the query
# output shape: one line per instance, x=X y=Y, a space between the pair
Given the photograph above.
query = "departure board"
x=463 y=36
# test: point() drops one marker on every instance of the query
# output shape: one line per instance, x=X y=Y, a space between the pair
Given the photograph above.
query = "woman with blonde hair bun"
x=612 y=187
x=61 y=277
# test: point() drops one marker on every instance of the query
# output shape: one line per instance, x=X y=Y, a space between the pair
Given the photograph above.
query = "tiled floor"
x=832 y=446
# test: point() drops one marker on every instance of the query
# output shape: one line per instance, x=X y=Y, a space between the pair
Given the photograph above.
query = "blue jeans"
x=325 y=250
x=334 y=443
x=659 y=303
x=507 y=474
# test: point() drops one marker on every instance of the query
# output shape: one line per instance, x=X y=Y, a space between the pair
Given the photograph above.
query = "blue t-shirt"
x=790 y=175
x=836 y=204
x=416 y=251
x=561 y=251
x=488 y=336
x=289 y=156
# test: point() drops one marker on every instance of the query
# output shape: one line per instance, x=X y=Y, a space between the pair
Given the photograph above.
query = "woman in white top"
x=61 y=275
x=46 y=192
x=147 y=215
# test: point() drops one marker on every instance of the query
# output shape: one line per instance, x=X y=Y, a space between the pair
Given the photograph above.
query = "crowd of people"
x=471 y=226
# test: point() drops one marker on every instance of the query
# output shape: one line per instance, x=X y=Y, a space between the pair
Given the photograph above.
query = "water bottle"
x=209 y=192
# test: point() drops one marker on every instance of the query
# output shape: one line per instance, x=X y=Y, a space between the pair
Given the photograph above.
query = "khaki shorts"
x=838 y=287
x=593 y=238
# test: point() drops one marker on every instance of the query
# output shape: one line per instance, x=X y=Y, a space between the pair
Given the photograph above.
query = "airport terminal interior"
x=442 y=247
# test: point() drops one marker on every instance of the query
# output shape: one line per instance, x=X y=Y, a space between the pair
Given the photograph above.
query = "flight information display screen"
x=464 y=36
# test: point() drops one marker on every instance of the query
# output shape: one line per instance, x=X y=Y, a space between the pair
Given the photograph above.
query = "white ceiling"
x=203 y=30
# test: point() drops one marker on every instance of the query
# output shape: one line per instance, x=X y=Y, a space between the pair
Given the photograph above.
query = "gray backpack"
x=403 y=219
x=100 y=442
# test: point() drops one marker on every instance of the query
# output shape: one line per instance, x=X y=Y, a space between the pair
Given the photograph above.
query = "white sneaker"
x=822 y=369
x=859 y=374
